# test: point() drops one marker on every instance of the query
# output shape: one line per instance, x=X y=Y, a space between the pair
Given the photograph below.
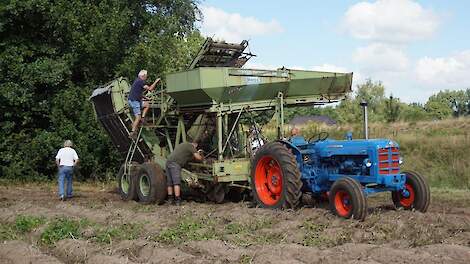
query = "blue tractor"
x=345 y=171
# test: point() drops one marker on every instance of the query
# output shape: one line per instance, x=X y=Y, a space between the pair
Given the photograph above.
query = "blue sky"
x=415 y=48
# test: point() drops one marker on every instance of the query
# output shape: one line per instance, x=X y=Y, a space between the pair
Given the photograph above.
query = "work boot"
x=177 y=201
x=170 y=199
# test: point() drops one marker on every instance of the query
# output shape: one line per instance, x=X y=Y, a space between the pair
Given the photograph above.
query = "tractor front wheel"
x=416 y=194
x=347 y=199
x=151 y=184
x=275 y=177
x=127 y=182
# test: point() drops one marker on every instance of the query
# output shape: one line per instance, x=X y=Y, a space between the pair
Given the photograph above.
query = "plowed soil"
x=231 y=232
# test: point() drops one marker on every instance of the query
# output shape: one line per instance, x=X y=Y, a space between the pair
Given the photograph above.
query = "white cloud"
x=397 y=21
x=451 y=72
x=261 y=66
x=329 y=68
x=233 y=27
x=379 y=57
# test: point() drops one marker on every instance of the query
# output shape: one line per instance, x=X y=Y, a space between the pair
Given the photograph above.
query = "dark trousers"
x=173 y=173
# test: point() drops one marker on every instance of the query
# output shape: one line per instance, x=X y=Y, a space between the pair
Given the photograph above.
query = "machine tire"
x=420 y=196
x=151 y=184
x=283 y=189
x=217 y=194
x=127 y=187
x=347 y=199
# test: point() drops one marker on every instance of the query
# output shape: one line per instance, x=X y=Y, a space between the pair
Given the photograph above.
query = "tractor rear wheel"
x=416 y=194
x=275 y=177
x=151 y=184
x=347 y=199
x=127 y=182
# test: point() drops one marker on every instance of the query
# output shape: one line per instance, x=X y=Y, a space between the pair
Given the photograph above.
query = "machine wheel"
x=217 y=194
x=347 y=199
x=275 y=177
x=419 y=195
x=151 y=184
x=127 y=183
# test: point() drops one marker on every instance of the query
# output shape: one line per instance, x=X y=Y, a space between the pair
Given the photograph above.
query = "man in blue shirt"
x=135 y=98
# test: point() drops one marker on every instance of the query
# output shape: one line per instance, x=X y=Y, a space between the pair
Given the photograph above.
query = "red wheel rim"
x=407 y=201
x=343 y=203
x=268 y=180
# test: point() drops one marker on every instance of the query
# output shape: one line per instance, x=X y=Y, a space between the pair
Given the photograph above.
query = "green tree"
x=413 y=112
x=438 y=109
x=457 y=101
x=372 y=92
x=350 y=111
x=54 y=53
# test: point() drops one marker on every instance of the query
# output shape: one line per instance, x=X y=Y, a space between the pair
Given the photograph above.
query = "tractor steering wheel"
x=318 y=137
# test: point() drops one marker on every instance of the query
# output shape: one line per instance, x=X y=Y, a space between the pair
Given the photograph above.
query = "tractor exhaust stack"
x=366 y=125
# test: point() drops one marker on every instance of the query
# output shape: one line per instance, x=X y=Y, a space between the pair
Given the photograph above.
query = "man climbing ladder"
x=135 y=99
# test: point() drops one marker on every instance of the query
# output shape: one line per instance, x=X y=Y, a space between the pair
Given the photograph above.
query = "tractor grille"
x=389 y=161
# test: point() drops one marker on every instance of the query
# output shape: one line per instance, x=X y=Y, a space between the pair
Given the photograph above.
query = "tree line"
x=382 y=108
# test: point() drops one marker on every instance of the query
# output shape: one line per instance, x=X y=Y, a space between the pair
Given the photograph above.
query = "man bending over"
x=181 y=155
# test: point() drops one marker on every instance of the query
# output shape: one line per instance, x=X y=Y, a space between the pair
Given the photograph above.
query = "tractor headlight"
x=367 y=163
x=400 y=160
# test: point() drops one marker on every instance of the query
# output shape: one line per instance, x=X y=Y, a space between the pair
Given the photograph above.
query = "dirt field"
x=97 y=227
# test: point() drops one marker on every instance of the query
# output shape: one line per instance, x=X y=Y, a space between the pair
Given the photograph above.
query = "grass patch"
x=27 y=223
x=23 y=224
x=249 y=227
x=255 y=231
x=450 y=197
x=245 y=259
x=321 y=235
x=123 y=232
x=62 y=228
x=191 y=228
x=313 y=233
x=187 y=229
x=7 y=232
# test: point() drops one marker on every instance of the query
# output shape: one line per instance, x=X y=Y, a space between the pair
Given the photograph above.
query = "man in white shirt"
x=66 y=159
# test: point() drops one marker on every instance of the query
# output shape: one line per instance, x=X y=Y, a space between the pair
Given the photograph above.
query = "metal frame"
x=226 y=168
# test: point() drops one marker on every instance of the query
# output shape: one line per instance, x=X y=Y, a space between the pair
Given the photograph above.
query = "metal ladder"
x=130 y=153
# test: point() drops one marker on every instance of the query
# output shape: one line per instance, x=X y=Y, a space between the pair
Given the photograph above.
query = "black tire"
x=127 y=184
x=151 y=184
x=348 y=190
x=421 y=193
x=285 y=195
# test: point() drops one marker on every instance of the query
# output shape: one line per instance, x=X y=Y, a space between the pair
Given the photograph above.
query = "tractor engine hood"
x=328 y=148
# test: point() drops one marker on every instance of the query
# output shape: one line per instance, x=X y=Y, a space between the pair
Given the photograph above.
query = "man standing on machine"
x=135 y=99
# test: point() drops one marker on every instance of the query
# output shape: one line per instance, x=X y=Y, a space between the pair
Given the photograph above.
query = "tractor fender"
x=293 y=149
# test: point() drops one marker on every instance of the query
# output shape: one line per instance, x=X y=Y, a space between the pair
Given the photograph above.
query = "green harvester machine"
x=213 y=102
